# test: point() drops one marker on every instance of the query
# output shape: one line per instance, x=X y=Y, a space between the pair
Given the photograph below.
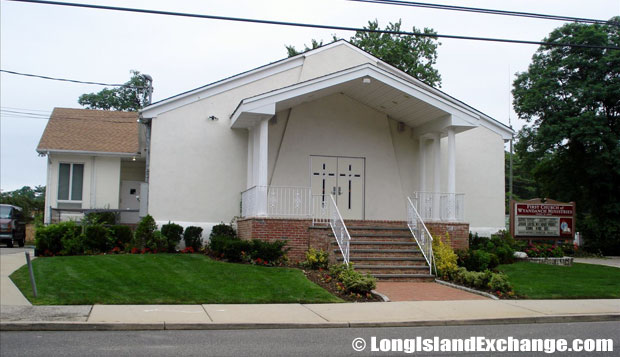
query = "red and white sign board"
x=543 y=220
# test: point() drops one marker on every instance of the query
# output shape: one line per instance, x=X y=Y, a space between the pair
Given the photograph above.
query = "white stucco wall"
x=339 y=126
x=101 y=181
x=480 y=175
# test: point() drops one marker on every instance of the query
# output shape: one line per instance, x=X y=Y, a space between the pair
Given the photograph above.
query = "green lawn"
x=580 y=281
x=163 y=279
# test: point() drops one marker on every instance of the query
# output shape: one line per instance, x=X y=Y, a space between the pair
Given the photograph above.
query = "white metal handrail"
x=443 y=206
x=421 y=234
x=277 y=202
x=341 y=233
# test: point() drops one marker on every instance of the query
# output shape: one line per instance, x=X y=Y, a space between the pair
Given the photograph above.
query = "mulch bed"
x=324 y=280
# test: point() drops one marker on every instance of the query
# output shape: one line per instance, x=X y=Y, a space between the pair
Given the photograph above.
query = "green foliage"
x=172 y=232
x=218 y=243
x=500 y=246
x=49 y=239
x=484 y=280
x=414 y=55
x=97 y=238
x=131 y=97
x=157 y=242
x=353 y=281
x=123 y=235
x=571 y=148
x=445 y=258
x=31 y=200
x=223 y=230
x=144 y=232
x=193 y=237
x=108 y=218
x=480 y=260
x=237 y=250
x=316 y=259
x=544 y=250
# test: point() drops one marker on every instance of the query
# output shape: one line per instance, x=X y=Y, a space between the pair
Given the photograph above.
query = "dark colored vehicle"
x=12 y=225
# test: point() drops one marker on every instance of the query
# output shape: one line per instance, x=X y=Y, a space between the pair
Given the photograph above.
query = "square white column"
x=436 y=176
x=451 y=174
x=261 y=145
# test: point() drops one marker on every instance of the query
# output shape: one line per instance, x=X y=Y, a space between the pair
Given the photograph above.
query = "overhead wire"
x=308 y=25
x=488 y=11
x=69 y=80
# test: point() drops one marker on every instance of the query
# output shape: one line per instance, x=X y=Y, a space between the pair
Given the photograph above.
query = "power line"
x=329 y=27
x=487 y=11
x=69 y=80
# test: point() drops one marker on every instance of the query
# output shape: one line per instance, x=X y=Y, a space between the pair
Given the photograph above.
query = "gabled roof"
x=91 y=131
x=292 y=62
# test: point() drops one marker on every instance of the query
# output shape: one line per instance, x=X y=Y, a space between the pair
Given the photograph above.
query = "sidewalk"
x=17 y=315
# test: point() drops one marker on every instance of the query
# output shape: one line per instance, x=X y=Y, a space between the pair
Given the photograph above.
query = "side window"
x=70 y=182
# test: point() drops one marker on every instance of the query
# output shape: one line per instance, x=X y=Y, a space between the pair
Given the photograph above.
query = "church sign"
x=537 y=219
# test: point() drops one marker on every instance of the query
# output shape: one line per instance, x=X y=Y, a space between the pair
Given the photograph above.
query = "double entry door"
x=342 y=177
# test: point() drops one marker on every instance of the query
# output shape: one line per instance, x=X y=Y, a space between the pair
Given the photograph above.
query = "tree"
x=571 y=99
x=31 y=200
x=414 y=55
x=132 y=96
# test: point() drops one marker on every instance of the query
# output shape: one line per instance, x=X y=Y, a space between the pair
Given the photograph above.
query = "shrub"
x=235 y=249
x=352 y=280
x=123 y=235
x=193 y=237
x=501 y=244
x=480 y=260
x=543 y=250
x=144 y=231
x=445 y=259
x=172 y=232
x=97 y=238
x=223 y=230
x=48 y=239
x=218 y=243
x=316 y=259
x=270 y=251
x=499 y=282
x=107 y=218
x=157 y=242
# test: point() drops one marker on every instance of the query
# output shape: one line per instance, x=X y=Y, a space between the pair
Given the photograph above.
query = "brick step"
x=405 y=277
x=378 y=235
x=408 y=261
x=392 y=269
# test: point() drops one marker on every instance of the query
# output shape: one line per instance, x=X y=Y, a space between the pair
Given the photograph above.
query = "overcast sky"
x=182 y=53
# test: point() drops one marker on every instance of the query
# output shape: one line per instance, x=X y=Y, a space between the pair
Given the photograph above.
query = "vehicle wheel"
x=21 y=242
x=9 y=244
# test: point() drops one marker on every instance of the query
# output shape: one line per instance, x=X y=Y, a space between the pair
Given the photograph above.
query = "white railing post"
x=439 y=206
x=421 y=234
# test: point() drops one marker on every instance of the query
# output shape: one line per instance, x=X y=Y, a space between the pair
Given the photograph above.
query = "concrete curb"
x=381 y=296
x=469 y=290
x=112 y=326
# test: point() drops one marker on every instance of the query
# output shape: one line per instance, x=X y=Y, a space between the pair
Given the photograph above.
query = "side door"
x=130 y=192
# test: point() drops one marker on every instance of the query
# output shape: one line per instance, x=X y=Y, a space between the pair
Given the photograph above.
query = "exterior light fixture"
x=366 y=80
x=213 y=118
x=133 y=158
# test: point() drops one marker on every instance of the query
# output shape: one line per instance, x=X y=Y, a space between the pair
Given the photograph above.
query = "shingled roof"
x=90 y=130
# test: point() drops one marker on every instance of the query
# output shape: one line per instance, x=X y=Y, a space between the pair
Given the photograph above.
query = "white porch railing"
x=421 y=234
x=440 y=206
x=277 y=202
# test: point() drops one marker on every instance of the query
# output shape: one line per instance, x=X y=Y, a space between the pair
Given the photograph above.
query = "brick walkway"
x=410 y=291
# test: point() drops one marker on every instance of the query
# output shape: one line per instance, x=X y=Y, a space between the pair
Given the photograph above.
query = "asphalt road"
x=298 y=342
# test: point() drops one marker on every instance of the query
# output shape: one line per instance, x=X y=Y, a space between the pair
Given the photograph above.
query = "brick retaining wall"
x=300 y=236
